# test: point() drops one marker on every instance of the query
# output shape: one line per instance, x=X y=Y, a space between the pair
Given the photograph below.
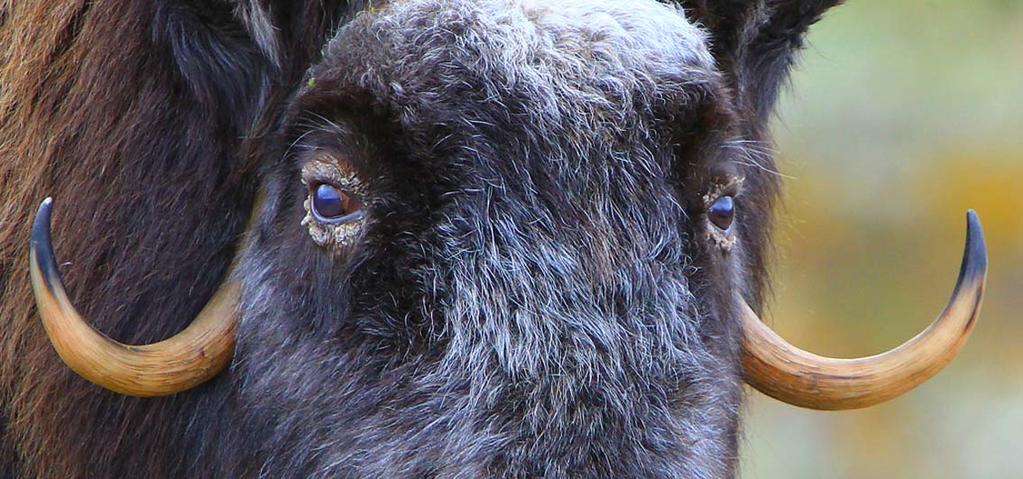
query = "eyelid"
x=326 y=168
x=724 y=186
x=315 y=181
x=732 y=186
x=329 y=175
x=340 y=220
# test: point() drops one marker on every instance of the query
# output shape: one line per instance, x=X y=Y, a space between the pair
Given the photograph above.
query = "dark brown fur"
x=130 y=115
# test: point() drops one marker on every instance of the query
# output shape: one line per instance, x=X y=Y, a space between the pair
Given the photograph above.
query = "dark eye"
x=722 y=212
x=334 y=205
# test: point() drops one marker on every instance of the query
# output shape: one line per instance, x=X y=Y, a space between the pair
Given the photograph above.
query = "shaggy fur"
x=130 y=114
x=547 y=321
x=533 y=291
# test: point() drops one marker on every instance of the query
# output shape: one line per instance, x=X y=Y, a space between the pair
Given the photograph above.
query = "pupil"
x=722 y=211
x=328 y=202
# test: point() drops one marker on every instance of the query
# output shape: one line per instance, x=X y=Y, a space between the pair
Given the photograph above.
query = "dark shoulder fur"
x=130 y=114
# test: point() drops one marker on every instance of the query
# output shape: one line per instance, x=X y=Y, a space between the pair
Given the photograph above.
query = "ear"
x=755 y=43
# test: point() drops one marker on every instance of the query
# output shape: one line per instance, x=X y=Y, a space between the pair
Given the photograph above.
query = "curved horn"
x=804 y=379
x=181 y=362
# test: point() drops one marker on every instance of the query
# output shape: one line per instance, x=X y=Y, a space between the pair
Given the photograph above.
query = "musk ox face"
x=497 y=214
x=504 y=238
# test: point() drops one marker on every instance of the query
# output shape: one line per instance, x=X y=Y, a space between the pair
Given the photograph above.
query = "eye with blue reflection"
x=334 y=205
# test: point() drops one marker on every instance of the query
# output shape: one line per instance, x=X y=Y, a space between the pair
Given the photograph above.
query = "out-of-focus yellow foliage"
x=989 y=181
x=903 y=115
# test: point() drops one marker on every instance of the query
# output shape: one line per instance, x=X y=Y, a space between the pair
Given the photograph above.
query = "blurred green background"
x=902 y=115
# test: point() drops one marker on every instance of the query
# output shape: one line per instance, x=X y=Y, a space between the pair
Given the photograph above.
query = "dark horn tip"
x=42 y=246
x=974 y=267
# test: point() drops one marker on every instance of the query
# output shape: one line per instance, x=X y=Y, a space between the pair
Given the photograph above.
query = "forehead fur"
x=653 y=33
x=600 y=67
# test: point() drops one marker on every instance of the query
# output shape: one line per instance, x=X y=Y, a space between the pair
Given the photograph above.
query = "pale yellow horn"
x=804 y=379
x=181 y=362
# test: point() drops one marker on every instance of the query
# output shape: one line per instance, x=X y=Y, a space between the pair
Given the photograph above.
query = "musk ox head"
x=504 y=237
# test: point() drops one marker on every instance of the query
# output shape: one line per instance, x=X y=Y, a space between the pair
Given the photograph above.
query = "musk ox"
x=415 y=238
